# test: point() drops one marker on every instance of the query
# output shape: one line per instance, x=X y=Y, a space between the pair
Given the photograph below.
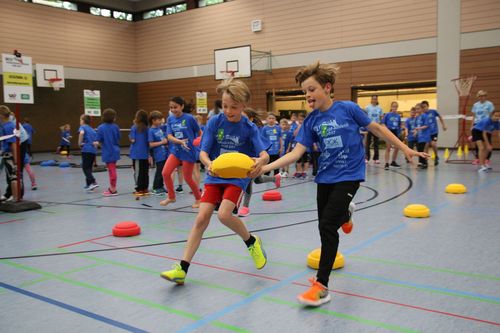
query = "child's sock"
x=249 y=242
x=185 y=265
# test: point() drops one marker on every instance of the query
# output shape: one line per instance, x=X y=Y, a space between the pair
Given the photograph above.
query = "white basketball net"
x=464 y=85
x=55 y=84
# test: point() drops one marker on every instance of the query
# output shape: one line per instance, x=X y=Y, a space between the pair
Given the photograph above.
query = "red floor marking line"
x=405 y=305
x=85 y=241
x=196 y=263
x=10 y=221
x=307 y=285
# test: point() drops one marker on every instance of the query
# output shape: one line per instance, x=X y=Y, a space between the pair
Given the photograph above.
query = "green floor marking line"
x=418 y=288
x=246 y=294
x=32 y=282
x=179 y=218
x=168 y=228
x=426 y=268
x=343 y=316
x=121 y=295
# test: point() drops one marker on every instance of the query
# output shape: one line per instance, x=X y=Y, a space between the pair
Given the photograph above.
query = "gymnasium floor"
x=439 y=274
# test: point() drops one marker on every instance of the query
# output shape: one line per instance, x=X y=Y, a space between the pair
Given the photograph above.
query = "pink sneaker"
x=487 y=162
x=109 y=193
x=243 y=212
x=376 y=161
x=475 y=162
x=277 y=180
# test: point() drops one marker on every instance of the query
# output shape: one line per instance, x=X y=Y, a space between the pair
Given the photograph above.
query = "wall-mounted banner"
x=92 y=102
x=201 y=102
x=17 y=79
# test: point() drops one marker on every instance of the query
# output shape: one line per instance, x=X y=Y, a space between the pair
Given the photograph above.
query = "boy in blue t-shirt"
x=272 y=132
x=65 y=144
x=481 y=135
x=226 y=132
x=375 y=113
x=481 y=110
x=421 y=131
x=87 y=141
x=334 y=125
x=392 y=121
x=157 y=143
x=432 y=116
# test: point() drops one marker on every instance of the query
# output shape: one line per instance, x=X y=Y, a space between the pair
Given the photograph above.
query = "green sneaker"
x=176 y=275
x=257 y=253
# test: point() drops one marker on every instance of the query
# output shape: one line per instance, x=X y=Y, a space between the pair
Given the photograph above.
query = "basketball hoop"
x=464 y=85
x=55 y=83
x=228 y=74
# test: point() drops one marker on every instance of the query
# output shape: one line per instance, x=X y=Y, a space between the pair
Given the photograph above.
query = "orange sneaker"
x=316 y=295
x=347 y=227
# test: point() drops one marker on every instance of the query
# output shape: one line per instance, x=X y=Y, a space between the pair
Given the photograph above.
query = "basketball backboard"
x=45 y=72
x=233 y=62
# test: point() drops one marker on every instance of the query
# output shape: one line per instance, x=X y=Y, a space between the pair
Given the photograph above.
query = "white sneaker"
x=284 y=174
x=484 y=168
x=488 y=166
x=352 y=208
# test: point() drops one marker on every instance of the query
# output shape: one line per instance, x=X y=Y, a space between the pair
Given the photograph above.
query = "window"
x=204 y=3
x=152 y=13
x=182 y=7
x=57 y=3
x=122 y=15
x=100 y=11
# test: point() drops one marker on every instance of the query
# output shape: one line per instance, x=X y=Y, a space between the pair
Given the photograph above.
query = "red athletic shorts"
x=215 y=193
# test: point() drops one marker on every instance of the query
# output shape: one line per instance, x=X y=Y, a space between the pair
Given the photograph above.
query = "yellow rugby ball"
x=232 y=165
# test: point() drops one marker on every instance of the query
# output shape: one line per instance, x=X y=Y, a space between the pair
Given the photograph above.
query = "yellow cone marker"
x=459 y=151
x=446 y=154
x=466 y=150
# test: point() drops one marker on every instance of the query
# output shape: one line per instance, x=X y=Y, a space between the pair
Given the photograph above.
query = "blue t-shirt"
x=139 y=149
x=8 y=129
x=65 y=138
x=159 y=152
x=392 y=121
x=222 y=136
x=184 y=127
x=273 y=134
x=482 y=110
x=374 y=112
x=424 y=135
x=89 y=137
x=109 y=137
x=337 y=132
x=30 y=130
x=432 y=116
x=286 y=138
x=487 y=125
x=411 y=123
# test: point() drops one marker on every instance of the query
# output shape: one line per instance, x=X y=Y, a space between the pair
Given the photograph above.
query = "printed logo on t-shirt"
x=220 y=135
x=333 y=142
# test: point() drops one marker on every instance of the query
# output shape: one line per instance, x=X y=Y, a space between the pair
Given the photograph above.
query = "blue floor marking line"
x=74 y=309
x=375 y=238
x=209 y=318
x=426 y=286
x=480 y=187
x=230 y=308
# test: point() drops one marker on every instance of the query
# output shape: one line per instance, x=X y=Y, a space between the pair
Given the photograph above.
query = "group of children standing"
x=420 y=130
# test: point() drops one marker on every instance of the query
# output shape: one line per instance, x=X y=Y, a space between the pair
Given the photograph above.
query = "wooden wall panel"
x=485 y=64
x=57 y=36
x=290 y=26
x=480 y=15
x=482 y=62
x=53 y=109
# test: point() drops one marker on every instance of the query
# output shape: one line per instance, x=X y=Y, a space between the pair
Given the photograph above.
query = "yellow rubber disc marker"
x=456 y=188
x=313 y=259
x=232 y=165
x=417 y=210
